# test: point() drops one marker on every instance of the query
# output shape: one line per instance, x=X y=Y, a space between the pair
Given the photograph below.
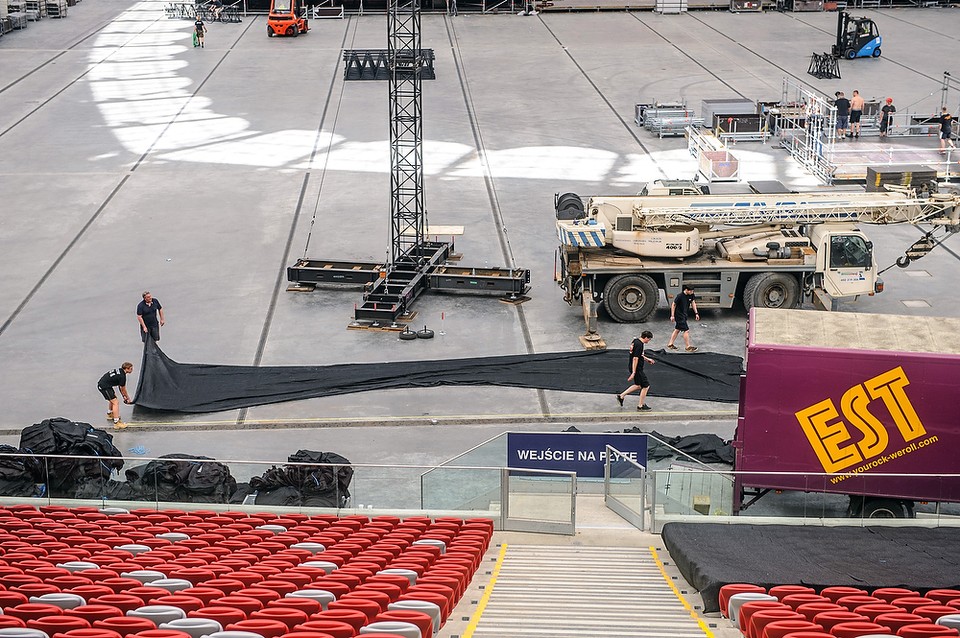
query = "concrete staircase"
x=540 y=591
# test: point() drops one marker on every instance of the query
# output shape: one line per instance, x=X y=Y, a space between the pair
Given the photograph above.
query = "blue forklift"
x=856 y=37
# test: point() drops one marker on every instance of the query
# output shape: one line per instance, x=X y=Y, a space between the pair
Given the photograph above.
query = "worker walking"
x=679 y=312
x=856 y=112
x=199 y=29
x=638 y=377
x=116 y=378
x=946 y=129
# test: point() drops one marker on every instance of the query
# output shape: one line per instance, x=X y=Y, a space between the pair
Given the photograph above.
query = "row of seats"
x=111 y=573
x=798 y=611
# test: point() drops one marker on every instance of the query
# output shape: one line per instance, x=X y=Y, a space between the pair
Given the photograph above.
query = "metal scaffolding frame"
x=808 y=133
x=407 y=218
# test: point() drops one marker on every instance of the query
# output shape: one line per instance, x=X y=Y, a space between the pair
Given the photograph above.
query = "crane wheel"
x=771 y=290
x=631 y=298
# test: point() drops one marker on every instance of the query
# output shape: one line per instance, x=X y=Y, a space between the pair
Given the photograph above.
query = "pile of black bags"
x=310 y=485
x=319 y=479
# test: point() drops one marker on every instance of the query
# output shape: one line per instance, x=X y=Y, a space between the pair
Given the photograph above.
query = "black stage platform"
x=710 y=555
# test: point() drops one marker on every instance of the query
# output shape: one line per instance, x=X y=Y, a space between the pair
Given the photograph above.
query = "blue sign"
x=577 y=452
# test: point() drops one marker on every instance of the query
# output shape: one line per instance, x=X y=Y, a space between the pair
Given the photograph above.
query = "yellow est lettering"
x=827 y=435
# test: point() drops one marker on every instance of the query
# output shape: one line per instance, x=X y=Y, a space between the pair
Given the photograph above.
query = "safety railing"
x=695 y=494
x=535 y=500
x=624 y=487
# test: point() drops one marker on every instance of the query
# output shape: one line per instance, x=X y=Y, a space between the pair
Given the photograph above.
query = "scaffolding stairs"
x=602 y=592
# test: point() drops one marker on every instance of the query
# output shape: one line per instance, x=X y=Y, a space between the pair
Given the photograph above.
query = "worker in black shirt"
x=946 y=129
x=679 y=311
x=116 y=378
x=843 y=115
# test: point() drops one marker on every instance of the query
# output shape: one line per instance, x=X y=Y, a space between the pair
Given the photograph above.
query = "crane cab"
x=287 y=17
x=856 y=37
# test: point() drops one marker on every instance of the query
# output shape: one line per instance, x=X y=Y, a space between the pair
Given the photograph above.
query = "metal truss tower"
x=404 y=57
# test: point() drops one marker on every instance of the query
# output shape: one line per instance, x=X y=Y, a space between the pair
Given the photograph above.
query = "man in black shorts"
x=116 y=378
x=679 y=310
x=856 y=112
x=946 y=129
x=637 y=377
x=150 y=317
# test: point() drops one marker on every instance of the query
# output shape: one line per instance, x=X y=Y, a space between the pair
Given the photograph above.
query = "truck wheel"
x=883 y=508
x=876 y=52
x=850 y=54
x=269 y=31
x=293 y=31
x=771 y=290
x=631 y=298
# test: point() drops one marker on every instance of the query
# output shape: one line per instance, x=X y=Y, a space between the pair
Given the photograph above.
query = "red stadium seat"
x=264 y=627
x=368 y=607
x=335 y=628
x=57 y=624
x=909 y=603
x=810 y=610
x=889 y=594
x=287 y=615
x=760 y=619
x=943 y=596
x=32 y=611
x=125 y=625
x=243 y=603
x=780 y=591
x=423 y=621
x=306 y=605
x=857 y=628
x=927 y=630
x=353 y=617
x=781 y=628
x=222 y=614
x=828 y=619
x=872 y=610
x=933 y=612
x=852 y=602
x=93 y=613
x=795 y=600
x=898 y=620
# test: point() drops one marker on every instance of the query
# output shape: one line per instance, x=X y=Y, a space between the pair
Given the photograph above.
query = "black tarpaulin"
x=711 y=555
x=198 y=387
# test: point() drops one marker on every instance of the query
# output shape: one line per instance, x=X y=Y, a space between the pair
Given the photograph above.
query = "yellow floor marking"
x=475 y=619
x=676 y=592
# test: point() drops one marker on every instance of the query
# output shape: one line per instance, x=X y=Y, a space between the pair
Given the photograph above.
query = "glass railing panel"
x=539 y=496
x=461 y=488
x=624 y=487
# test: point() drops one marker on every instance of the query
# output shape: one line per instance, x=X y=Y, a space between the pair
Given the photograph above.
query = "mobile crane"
x=765 y=250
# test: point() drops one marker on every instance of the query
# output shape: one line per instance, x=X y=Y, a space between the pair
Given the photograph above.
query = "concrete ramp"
x=601 y=592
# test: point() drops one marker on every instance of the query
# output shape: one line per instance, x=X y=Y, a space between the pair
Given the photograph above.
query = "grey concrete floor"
x=130 y=161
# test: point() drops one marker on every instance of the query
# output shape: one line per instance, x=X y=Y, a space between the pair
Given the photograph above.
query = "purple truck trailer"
x=836 y=402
